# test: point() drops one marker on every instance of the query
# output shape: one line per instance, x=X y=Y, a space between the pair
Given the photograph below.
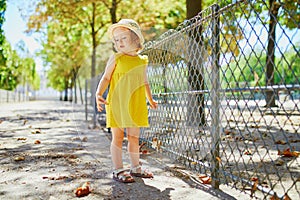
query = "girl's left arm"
x=153 y=103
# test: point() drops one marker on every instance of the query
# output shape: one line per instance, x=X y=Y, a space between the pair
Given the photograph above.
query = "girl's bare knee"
x=133 y=132
x=132 y=139
x=117 y=136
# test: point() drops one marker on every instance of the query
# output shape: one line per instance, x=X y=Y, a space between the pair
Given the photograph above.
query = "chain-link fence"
x=227 y=82
x=91 y=112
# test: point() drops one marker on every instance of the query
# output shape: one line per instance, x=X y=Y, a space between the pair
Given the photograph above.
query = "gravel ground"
x=47 y=151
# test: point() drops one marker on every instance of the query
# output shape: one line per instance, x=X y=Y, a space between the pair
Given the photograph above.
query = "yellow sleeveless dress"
x=126 y=98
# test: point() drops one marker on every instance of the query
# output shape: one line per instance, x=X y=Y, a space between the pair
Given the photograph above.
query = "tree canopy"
x=2 y=19
x=75 y=28
x=16 y=67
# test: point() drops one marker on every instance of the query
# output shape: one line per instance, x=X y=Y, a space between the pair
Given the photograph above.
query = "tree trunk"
x=75 y=91
x=66 y=94
x=80 y=91
x=193 y=8
x=94 y=40
x=195 y=79
x=270 y=62
x=71 y=94
x=75 y=72
x=113 y=11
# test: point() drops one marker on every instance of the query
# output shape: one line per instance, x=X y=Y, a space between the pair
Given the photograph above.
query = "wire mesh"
x=227 y=82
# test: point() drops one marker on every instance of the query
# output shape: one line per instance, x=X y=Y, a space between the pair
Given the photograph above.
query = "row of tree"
x=16 y=67
x=76 y=36
x=75 y=43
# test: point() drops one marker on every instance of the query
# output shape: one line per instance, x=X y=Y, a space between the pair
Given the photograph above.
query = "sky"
x=14 y=29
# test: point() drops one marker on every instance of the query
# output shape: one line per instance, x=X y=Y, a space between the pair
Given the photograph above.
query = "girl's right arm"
x=104 y=82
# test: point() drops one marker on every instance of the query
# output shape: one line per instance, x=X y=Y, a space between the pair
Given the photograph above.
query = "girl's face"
x=124 y=41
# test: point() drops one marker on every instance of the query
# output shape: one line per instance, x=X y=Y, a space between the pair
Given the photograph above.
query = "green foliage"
x=2 y=19
x=2 y=37
x=28 y=73
x=16 y=70
x=9 y=70
x=250 y=69
x=288 y=67
x=286 y=11
x=75 y=28
x=65 y=50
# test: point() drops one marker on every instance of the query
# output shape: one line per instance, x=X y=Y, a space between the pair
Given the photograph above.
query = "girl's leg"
x=116 y=147
x=133 y=135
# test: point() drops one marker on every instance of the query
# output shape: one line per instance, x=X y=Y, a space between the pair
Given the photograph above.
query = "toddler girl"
x=126 y=105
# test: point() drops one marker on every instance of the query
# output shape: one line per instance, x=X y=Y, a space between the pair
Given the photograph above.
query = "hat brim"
x=114 y=26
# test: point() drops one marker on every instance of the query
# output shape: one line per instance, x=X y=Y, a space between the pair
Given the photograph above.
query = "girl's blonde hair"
x=135 y=38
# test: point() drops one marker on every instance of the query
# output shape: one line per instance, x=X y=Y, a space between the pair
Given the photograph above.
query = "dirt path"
x=47 y=151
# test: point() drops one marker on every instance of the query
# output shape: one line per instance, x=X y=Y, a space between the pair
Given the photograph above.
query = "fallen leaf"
x=75 y=139
x=254 y=187
x=37 y=142
x=279 y=162
x=288 y=153
x=202 y=176
x=19 y=158
x=61 y=177
x=248 y=152
x=36 y=131
x=141 y=146
x=73 y=156
x=254 y=179
x=84 y=190
x=227 y=132
x=205 y=179
x=54 y=178
x=144 y=152
x=156 y=144
x=280 y=142
x=22 y=138
x=239 y=138
x=294 y=141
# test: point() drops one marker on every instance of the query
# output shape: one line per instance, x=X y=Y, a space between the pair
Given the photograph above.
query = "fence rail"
x=227 y=82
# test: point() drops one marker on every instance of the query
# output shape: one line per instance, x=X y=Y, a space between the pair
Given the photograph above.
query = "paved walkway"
x=47 y=151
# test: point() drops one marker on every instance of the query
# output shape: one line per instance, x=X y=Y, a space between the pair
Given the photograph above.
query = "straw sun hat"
x=131 y=25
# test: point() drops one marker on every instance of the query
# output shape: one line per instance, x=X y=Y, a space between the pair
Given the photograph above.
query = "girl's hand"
x=100 y=101
x=153 y=104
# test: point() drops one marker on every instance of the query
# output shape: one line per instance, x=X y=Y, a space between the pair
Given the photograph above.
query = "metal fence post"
x=215 y=91
x=86 y=99
x=93 y=87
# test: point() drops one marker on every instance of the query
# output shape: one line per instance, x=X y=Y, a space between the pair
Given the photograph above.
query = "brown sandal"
x=122 y=176
x=139 y=172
